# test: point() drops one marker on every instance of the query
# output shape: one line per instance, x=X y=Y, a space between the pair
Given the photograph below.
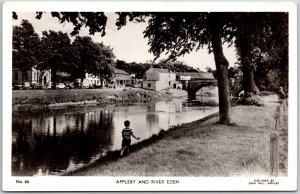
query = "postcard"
x=149 y=96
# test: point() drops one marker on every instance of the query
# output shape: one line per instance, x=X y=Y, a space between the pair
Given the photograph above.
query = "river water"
x=53 y=142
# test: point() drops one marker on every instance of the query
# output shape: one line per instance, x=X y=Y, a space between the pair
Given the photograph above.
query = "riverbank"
x=36 y=100
x=204 y=148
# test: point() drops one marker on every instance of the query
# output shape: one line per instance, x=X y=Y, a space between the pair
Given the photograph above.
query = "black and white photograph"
x=149 y=96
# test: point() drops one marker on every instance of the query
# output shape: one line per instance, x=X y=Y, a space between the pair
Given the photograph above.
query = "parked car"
x=97 y=86
x=110 y=86
x=136 y=85
x=69 y=85
x=86 y=84
x=60 y=86
x=19 y=86
x=38 y=86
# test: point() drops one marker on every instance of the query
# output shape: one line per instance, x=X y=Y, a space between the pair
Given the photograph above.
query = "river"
x=53 y=142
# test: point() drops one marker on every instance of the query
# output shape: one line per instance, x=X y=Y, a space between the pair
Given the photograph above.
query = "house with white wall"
x=93 y=80
x=159 y=79
x=121 y=78
x=33 y=76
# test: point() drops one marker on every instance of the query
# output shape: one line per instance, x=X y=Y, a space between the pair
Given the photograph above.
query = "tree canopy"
x=261 y=41
x=56 y=53
x=25 y=44
x=94 y=58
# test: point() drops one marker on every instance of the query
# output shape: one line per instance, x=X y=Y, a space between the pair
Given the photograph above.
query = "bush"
x=252 y=100
x=256 y=90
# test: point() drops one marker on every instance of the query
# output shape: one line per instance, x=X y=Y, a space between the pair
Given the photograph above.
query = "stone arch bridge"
x=194 y=81
x=195 y=85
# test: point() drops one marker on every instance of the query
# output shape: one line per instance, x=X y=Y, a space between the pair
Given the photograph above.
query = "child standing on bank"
x=126 y=135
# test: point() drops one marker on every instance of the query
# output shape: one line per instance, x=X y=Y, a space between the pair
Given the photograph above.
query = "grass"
x=32 y=100
x=204 y=149
x=59 y=96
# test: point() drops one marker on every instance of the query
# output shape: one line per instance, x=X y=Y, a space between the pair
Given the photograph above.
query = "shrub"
x=252 y=100
x=256 y=90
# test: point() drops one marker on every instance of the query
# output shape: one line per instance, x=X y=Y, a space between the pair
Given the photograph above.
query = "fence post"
x=277 y=121
x=284 y=104
x=274 y=155
x=279 y=114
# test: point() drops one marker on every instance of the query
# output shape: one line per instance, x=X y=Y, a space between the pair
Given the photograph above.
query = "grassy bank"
x=30 y=100
x=204 y=149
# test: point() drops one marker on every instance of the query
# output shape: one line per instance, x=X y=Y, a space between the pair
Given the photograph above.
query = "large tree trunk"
x=54 y=78
x=245 y=55
x=222 y=72
x=248 y=79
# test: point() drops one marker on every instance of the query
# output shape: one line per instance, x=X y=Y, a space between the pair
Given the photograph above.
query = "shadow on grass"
x=115 y=155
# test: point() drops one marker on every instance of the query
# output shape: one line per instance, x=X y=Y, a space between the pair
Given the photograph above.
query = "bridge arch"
x=194 y=86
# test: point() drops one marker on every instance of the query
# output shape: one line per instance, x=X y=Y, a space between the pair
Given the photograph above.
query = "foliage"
x=273 y=79
x=175 y=66
x=208 y=91
x=96 y=21
x=138 y=69
x=94 y=58
x=261 y=44
x=252 y=99
x=25 y=44
x=56 y=53
x=103 y=67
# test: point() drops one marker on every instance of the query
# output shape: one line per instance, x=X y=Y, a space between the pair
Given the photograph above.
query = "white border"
x=109 y=183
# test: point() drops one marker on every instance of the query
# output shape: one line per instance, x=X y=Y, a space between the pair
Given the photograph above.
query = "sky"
x=128 y=43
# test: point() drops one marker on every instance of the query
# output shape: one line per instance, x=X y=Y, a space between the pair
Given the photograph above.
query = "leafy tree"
x=121 y=65
x=88 y=53
x=96 y=21
x=274 y=50
x=138 y=69
x=261 y=40
x=176 y=66
x=57 y=53
x=94 y=58
x=103 y=66
x=25 y=44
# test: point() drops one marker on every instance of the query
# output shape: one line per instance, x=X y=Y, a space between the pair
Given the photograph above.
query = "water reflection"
x=60 y=140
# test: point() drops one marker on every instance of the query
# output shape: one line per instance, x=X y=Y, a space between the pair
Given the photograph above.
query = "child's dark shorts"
x=126 y=142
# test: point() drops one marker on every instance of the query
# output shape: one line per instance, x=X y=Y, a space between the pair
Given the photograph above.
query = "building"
x=158 y=79
x=121 y=78
x=33 y=76
x=92 y=80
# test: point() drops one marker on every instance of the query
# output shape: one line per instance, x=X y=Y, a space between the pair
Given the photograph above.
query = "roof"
x=161 y=70
x=198 y=75
x=119 y=71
